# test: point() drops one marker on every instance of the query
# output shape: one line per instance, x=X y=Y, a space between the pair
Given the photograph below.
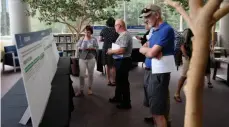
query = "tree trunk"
x=195 y=79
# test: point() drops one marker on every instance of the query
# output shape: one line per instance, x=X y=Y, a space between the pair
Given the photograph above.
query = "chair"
x=10 y=57
x=61 y=53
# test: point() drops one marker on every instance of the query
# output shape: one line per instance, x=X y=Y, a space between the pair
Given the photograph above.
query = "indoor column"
x=19 y=22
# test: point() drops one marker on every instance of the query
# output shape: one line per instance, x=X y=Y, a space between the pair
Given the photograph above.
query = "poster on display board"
x=50 y=54
x=38 y=61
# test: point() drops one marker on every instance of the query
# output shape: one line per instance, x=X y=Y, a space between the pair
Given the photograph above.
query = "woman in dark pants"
x=108 y=35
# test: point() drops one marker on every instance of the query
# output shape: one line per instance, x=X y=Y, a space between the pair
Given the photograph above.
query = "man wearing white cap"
x=161 y=44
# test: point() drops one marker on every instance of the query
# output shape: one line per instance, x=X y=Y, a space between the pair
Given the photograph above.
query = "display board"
x=38 y=58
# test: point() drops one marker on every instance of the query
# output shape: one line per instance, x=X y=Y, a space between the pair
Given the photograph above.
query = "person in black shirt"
x=186 y=49
x=108 y=35
x=144 y=38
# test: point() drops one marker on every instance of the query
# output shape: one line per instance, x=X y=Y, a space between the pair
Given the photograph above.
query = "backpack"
x=177 y=51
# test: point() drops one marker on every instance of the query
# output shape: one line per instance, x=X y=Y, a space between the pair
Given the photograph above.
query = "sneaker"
x=89 y=92
x=125 y=107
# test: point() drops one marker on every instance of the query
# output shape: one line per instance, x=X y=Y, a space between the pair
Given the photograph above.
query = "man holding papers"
x=121 y=52
x=159 y=64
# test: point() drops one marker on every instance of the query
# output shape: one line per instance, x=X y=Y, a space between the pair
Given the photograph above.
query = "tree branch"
x=82 y=22
x=220 y=13
x=63 y=22
x=213 y=35
x=211 y=7
x=79 y=28
x=69 y=27
x=180 y=9
x=68 y=24
x=195 y=6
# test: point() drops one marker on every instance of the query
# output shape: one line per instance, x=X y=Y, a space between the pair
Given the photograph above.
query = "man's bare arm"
x=154 y=51
x=143 y=50
x=116 y=52
x=146 y=44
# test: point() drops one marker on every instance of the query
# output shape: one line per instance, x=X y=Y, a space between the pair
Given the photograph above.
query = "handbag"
x=75 y=66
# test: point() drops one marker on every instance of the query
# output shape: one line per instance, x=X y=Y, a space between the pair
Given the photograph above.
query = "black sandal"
x=109 y=83
x=177 y=98
x=113 y=84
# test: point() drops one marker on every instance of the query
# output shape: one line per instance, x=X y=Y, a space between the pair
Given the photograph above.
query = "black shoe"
x=210 y=85
x=149 y=120
x=122 y=106
x=114 y=100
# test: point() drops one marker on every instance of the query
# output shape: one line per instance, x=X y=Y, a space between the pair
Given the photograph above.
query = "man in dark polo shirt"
x=156 y=85
x=122 y=65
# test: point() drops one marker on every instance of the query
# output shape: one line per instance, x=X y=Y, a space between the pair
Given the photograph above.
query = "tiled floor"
x=8 y=79
x=95 y=111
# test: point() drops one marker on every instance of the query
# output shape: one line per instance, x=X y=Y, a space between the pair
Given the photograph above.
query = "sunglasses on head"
x=146 y=10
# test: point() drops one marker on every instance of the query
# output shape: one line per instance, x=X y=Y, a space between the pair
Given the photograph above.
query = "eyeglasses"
x=117 y=25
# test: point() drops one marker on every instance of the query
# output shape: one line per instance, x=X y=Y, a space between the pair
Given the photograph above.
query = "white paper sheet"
x=134 y=37
x=115 y=47
x=164 y=65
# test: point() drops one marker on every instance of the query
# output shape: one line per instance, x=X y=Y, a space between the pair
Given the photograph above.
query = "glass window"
x=5 y=21
x=37 y=25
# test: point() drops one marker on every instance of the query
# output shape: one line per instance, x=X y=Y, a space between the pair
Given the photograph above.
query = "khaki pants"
x=88 y=65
